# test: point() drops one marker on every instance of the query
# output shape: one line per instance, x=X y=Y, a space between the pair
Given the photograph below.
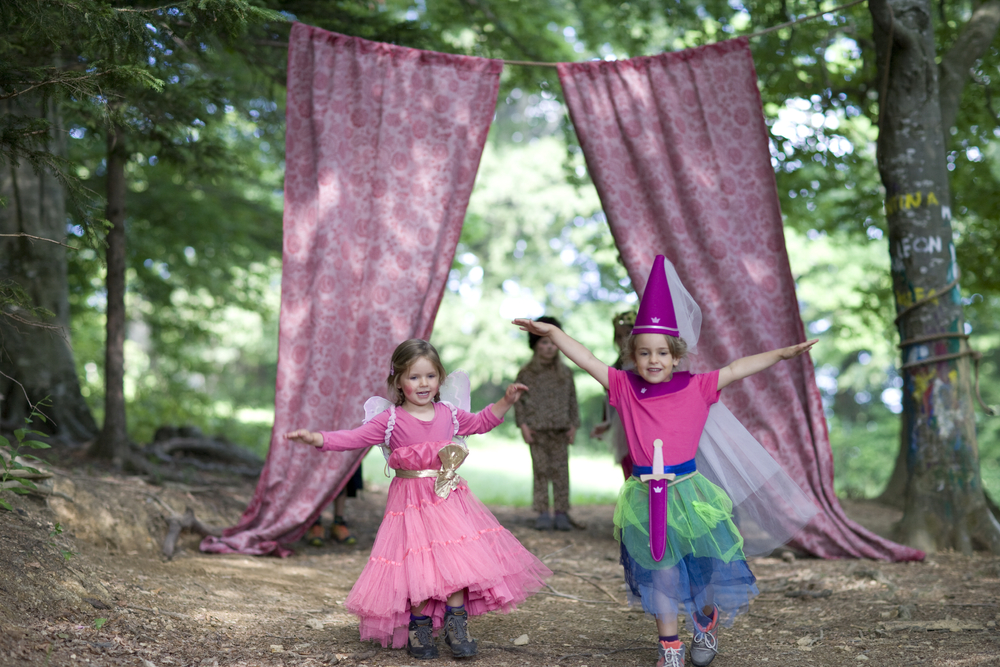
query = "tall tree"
x=114 y=434
x=87 y=54
x=943 y=501
x=36 y=355
x=115 y=56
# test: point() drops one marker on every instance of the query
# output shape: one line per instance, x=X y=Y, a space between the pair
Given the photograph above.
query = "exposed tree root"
x=220 y=450
x=977 y=529
x=179 y=523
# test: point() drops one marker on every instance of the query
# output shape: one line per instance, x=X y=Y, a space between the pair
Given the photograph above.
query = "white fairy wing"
x=457 y=390
x=768 y=506
x=376 y=405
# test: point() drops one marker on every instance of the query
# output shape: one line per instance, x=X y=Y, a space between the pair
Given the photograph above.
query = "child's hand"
x=600 y=429
x=305 y=437
x=793 y=351
x=537 y=328
x=514 y=392
x=572 y=434
x=527 y=434
x=510 y=397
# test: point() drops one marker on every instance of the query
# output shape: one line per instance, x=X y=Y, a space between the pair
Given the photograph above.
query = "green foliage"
x=13 y=462
x=204 y=115
x=99 y=57
x=56 y=531
x=18 y=306
x=532 y=244
x=99 y=623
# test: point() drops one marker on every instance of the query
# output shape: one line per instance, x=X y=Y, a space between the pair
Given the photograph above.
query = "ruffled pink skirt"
x=427 y=548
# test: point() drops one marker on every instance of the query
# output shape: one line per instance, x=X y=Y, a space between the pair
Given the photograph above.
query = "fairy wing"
x=456 y=393
x=457 y=390
x=376 y=405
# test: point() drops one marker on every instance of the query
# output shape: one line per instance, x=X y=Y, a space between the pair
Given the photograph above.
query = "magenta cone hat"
x=656 y=310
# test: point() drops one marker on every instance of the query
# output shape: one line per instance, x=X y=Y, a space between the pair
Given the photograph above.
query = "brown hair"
x=403 y=357
x=678 y=348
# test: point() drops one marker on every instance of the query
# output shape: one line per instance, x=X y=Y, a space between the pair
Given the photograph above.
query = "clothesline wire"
x=529 y=63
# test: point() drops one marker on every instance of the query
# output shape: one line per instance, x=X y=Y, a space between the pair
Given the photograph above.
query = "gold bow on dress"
x=447 y=479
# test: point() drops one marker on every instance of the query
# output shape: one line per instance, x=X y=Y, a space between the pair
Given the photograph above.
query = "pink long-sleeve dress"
x=429 y=547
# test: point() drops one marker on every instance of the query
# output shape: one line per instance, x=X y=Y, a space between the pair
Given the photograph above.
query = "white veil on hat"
x=686 y=309
x=768 y=506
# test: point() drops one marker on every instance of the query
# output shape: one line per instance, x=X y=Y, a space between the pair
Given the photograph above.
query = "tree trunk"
x=36 y=357
x=943 y=501
x=113 y=441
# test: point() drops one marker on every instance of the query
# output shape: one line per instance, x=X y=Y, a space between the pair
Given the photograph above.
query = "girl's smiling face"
x=653 y=360
x=420 y=383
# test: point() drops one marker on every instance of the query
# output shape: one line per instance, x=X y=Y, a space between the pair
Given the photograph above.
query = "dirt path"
x=200 y=610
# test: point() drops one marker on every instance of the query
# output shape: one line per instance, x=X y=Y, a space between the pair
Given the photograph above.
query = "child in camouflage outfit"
x=548 y=418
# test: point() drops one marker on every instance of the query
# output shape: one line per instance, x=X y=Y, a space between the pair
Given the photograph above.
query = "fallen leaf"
x=277 y=648
x=33 y=564
x=521 y=641
x=314 y=623
x=804 y=641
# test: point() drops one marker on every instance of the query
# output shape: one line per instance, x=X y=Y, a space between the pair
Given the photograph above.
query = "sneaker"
x=315 y=535
x=562 y=521
x=456 y=634
x=544 y=521
x=671 y=654
x=706 y=641
x=341 y=533
x=420 y=643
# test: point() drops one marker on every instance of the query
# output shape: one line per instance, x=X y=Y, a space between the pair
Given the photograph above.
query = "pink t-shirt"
x=674 y=411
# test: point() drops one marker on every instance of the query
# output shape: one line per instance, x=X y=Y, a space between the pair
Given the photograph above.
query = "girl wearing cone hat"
x=696 y=469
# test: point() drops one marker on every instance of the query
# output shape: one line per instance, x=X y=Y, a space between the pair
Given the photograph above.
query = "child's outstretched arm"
x=576 y=352
x=510 y=397
x=306 y=437
x=747 y=366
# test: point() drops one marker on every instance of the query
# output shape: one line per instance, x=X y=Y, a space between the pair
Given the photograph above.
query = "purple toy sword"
x=658 y=482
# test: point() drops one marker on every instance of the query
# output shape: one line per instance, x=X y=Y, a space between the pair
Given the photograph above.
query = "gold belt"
x=447 y=478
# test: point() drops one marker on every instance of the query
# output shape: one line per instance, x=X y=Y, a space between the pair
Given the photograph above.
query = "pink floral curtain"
x=383 y=144
x=677 y=147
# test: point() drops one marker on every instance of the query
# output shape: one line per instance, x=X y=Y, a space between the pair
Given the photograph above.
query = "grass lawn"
x=498 y=471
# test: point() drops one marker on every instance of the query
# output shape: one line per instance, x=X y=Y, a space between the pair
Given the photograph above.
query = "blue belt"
x=679 y=469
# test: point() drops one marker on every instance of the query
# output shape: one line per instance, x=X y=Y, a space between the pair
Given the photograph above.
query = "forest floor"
x=117 y=601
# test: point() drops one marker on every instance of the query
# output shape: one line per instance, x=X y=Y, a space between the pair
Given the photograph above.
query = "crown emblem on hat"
x=656 y=309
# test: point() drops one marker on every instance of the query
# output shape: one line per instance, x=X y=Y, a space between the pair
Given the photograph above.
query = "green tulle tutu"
x=704 y=564
x=699 y=523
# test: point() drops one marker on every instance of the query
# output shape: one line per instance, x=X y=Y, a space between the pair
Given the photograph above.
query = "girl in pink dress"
x=439 y=556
